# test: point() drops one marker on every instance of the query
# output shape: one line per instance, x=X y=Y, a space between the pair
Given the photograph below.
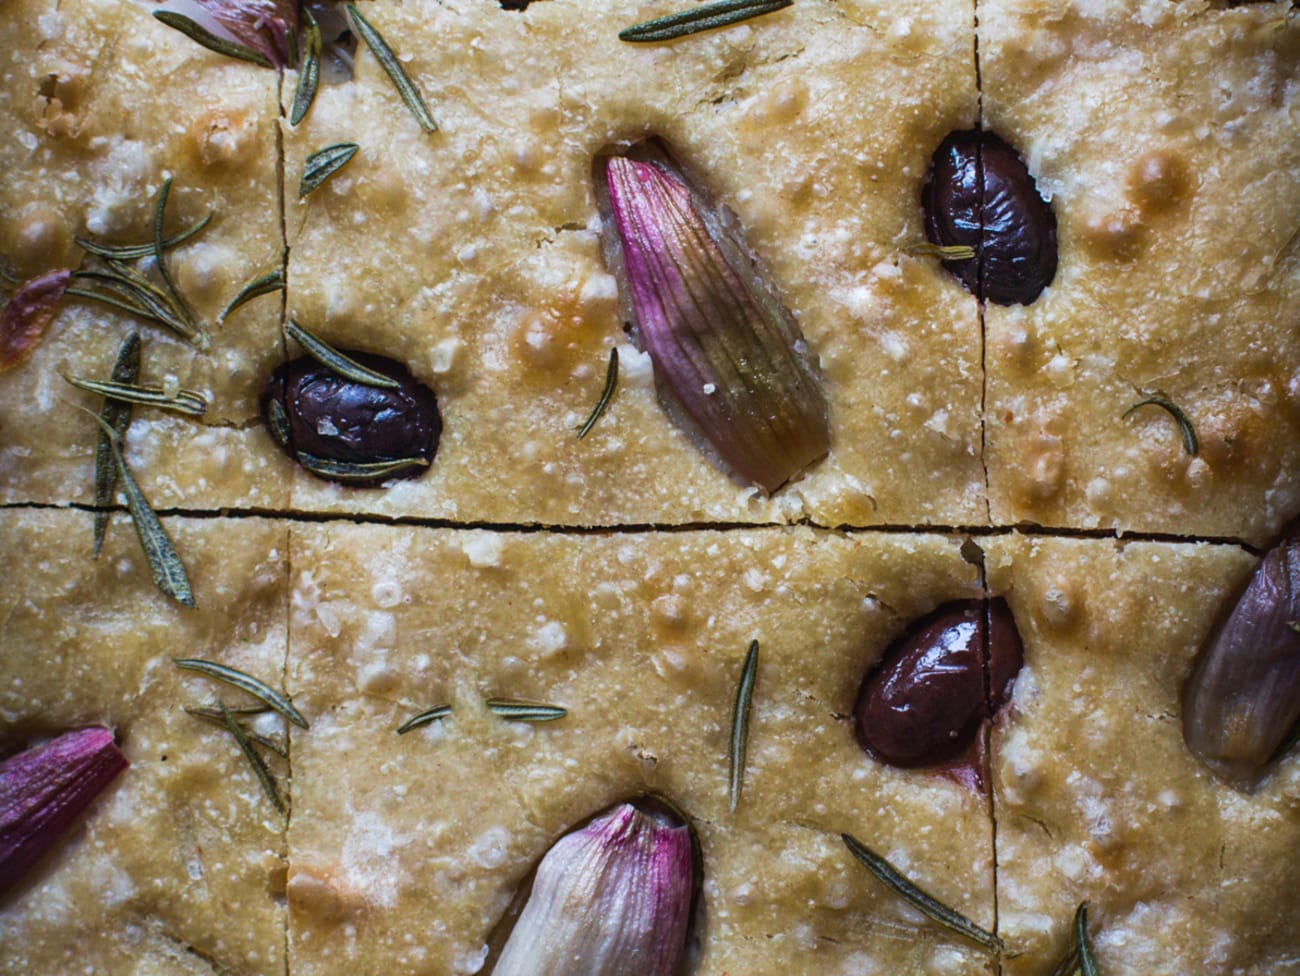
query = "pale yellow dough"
x=1095 y=795
x=404 y=851
x=1168 y=136
x=89 y=160
x=473 y=256
x=180 y=865
x=623 y=576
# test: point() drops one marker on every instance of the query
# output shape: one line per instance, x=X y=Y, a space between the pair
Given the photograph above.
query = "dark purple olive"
x=347 y=431
x=923 y=705
x=979 y=193
x=1241 y=705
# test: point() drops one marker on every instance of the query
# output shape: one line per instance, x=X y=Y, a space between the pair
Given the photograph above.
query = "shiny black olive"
x=979 y=193
x=924 y=703
x=346 y=431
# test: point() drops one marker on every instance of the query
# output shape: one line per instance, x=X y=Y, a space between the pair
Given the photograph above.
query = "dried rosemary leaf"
x=278 y=421
x=699 y=19
x=424 y=718
x=352 y=471
x=132 y=252
x=918 y=899
x=184 y=402
x=948 y=252
x=740 y=726
x=309 y=78
x=331 y=358
x=205 y=38
x=214 y=716
x=1069 y=964
x=1087 y=963
x=324 y=163
x=1191 y=443
x=160 y=253
x=122 y=306
x=117 y=415
x=388 y=61
x=244 y=682
x=606 y=394
x=525 y=711
x=144 y=298
x=257 y=762
x=266 y=284
x=164 y=562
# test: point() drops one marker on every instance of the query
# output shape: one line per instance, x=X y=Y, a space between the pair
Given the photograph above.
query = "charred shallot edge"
x=723 y=347
x=45 y=789
x=1241 y=705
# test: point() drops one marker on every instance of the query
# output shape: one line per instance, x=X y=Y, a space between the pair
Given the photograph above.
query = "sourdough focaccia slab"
x=405 y=851
x=1097 y=798
x=1171 y=156
x=473 y=256
x=179 y=868
x=94 y=131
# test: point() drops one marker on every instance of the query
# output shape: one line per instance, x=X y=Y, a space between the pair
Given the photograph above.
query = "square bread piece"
x=178 y=866
x=1096 y=796
x=473 y=254
x=1166 y=135
x=90 y=143
x=406 y=850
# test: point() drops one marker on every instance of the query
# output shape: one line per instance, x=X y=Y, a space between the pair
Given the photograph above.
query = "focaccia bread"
x=448 y=666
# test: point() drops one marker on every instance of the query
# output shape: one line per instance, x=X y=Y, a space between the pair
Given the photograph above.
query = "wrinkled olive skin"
x=923 y=705
x=332 y=417
x=979 y=193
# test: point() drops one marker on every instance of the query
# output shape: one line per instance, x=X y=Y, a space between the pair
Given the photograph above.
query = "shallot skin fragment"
x=1241 y=705
x=613 y=898
x=44 y=790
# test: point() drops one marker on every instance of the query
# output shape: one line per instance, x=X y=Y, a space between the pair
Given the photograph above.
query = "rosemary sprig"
x=263 y=285
x=918 y=899
x=309 y=78
x=948 y=252
x=204 y=37
x=160 y=256
x=324 y=163
x=118 y=304
x=606 y=394
x=215 y=717
x=331 y=358
x=1087 y=963
x=117 y=415
x=184 y=402
x=164 y=562
x=1069 y=964
x=1079 y=957
x=514 y=710
x=244 y=682
x=356 y=471
x=278 y=422
x=699 y=19
x=1191 y=443
x=388 y=61
x=132 y=252
x=257 y=762
x=424 y=718
x=740 y=725
x=144 y=298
